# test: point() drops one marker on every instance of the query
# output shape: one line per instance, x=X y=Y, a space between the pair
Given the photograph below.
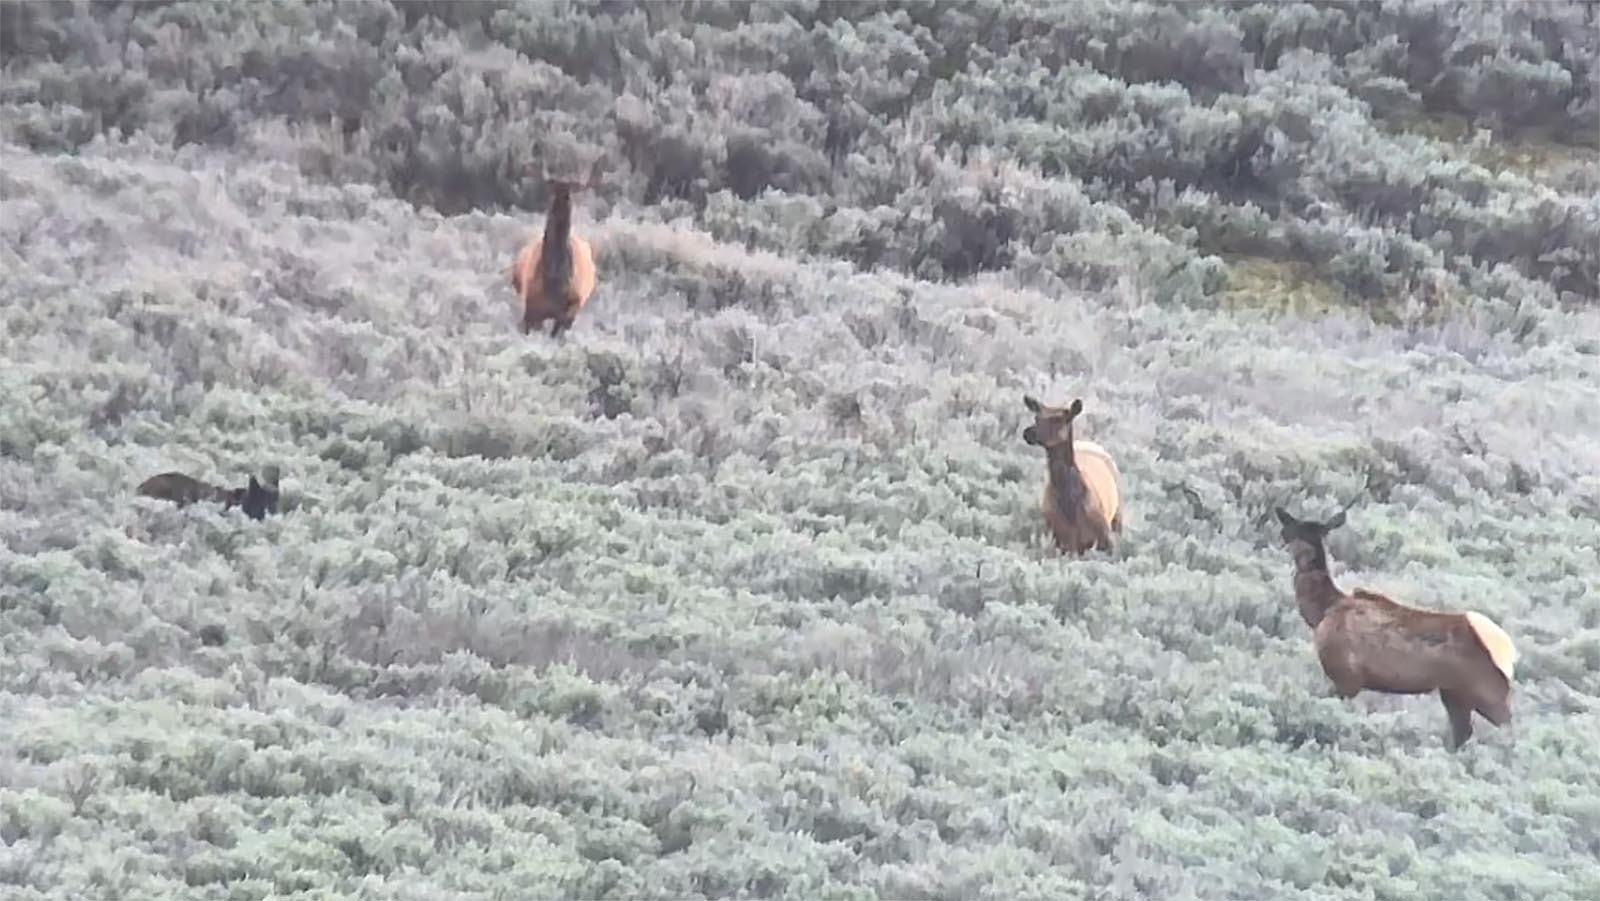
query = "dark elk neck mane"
x=554 y=254
x=1314 y=590
x=1066 y=482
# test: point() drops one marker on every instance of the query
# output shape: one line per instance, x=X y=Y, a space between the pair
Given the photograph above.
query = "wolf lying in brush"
x=256 y=499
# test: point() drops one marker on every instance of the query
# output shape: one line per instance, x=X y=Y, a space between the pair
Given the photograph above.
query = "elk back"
x=1100 y=476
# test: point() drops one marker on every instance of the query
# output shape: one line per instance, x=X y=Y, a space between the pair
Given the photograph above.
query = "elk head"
x=1052 y=426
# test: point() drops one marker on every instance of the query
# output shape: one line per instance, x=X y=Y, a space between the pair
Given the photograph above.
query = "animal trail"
x=1366 y=641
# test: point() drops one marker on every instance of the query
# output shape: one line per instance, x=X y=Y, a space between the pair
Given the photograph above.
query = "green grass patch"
x=1536 y=153
x=1279 y=286
x=1298 y=287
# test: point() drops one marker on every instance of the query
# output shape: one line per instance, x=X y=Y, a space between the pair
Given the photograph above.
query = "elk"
x=1365 y=640
x=1082 y=492
x=256 y=499
x=554 y=273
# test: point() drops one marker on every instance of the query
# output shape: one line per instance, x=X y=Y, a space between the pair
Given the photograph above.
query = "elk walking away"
x=554 y=273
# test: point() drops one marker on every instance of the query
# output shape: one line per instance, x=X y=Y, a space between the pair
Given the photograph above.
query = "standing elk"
x=554 y=273
x=1365 y=640
x=1082 y=492
x=256 y=499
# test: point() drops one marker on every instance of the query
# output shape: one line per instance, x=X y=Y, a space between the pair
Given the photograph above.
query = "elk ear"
x=1335 y=522
x=1076 y=408
x=1029 y=402
x=1284 y=517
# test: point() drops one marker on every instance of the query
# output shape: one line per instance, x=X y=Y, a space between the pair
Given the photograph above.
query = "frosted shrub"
x=741 y=588
x=1516 y=92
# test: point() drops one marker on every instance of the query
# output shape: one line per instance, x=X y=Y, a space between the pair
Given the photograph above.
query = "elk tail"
x=1494 y=640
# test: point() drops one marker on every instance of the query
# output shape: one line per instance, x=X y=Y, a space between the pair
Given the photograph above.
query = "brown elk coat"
x=1082 y=500
x=554 y=273
x=1366 y=641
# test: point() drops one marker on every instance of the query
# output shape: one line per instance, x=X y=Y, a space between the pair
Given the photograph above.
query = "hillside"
x=740 y=588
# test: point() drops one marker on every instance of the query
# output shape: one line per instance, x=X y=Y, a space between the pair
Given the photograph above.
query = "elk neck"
x=555 y=254
x=1066 y=482
x=1314 y=590
x=558 y=221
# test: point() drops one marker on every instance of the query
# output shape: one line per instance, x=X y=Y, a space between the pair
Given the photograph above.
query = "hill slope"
x=740 y=587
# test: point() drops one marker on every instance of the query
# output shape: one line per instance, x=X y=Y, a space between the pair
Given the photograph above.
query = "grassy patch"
x=1534 y=153
x=1297 y=287
x=1279 y=286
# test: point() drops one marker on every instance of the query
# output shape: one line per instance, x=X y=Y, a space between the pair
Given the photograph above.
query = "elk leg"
x=1105 y=542
x=1060 y=538
x=559 y=325
x=1495 y=710
x=1460 y=717
x=1498 y=711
